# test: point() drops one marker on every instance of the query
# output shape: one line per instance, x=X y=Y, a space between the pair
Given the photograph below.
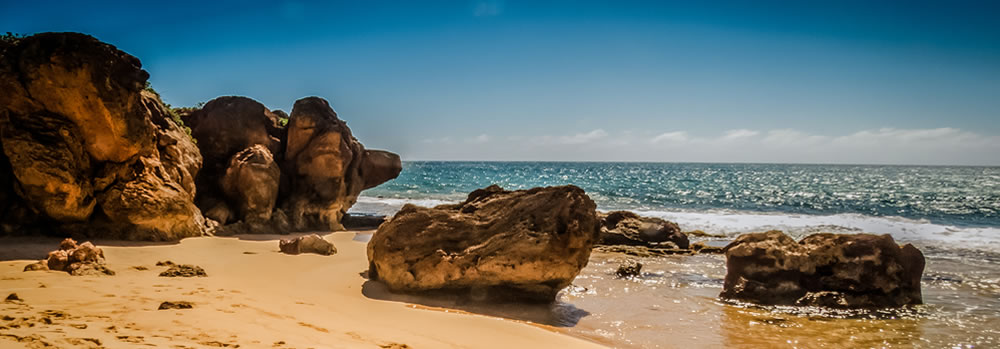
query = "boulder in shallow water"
x=628 y=228
x=307 y=244
x=629 y=268
x=524 y=244
x=832 y=270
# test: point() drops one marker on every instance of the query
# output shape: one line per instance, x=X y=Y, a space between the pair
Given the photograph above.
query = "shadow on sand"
x=556 y=314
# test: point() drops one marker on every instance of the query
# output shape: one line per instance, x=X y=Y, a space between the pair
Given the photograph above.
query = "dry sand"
x=253 y=297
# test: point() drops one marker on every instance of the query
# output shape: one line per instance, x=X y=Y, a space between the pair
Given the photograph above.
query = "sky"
x=883 y=82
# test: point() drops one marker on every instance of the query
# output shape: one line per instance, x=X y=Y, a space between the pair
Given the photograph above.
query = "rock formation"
x=82 y=259
x=832 y=270
x=265 y=177
x=89 y=152
x=307 y=244
x=525 y=244
x=627 y=228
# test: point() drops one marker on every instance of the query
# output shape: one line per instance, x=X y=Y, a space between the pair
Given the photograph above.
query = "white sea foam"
x=733 y=223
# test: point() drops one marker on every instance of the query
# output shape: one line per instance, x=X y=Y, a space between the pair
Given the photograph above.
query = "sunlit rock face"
x=525 y=244
x=88 y=151
x=327 y=167
x=831 y=270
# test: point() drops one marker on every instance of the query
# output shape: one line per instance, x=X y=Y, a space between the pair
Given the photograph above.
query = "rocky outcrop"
x=82 y=259
x=628 y=228
x=307 y=244
x=832 y=270
x=89 y=151
x=524 y=244
x=266 y=177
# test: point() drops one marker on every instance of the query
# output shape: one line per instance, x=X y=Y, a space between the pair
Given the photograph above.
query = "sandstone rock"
x=833 y=270
x=307 y=244
x=251 y=180
x=89 y=151
x=527 y=244
x=327 y=167
x=183 y=270
x=629 y=268
x=13 y=298
x=82 y=259
x=627 y=228
x=175 y=305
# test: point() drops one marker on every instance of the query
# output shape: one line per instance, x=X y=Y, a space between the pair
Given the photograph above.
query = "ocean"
x=951 y=213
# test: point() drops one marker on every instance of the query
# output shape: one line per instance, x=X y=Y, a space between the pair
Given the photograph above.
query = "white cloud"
x=790 y=137
x=670 y=137
x=483 y=138
x=579 y=138
x=733 y=135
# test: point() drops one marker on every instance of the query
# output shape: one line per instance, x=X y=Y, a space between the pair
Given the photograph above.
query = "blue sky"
x=735 y=81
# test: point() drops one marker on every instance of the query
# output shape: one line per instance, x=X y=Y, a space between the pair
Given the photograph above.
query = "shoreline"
x=253 y=296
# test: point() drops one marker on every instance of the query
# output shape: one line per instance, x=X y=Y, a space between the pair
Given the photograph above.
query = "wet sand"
x=253 y=297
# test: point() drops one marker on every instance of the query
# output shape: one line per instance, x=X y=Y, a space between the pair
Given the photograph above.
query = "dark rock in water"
x=643 y=251
x=184 y=270
x=362 y=221
x=307 y=244
x=175 y=305
x=524 y=244
x=701 y=247
x=832 y=270
x=13 y=298
x=629 y=268
x=628 y=228
x=89 y=150
x=327 y=167
x=82 y=259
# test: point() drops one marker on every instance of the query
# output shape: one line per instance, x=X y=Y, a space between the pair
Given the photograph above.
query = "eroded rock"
x=307 y=244
x=88 y=149
x=82 y=259
x=183 y=270
x=629 y=268
x=833 y=270
x=628 y=228
x=524 y=244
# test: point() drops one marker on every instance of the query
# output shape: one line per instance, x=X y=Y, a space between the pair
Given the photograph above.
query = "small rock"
x=13 y=298
x=184 y=270
x=140 y=268
x=701 y=247
x=165 y=264
x=307 y=244
x=40 y=265
x=629 y=268
x=175 y=305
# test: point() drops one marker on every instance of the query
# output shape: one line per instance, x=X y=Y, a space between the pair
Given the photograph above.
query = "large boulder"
x=832 y=270
x=526 y=244
x=327 y=167
x=628 y=228
x=252 y=180
x=91 y=153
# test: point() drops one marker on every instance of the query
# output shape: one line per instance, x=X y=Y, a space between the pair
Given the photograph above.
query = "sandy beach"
x=254 y=296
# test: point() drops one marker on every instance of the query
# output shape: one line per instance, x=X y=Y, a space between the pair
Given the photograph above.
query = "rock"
x=666 y=249
x=832 y=270
x=629 y=268
x=524 y=244
x=165 y=264
x=701 y=247
x=362 y=221
x=327 y=167
x=307 y=244
x=88 y=149
x=184 y=270
x=37 y=266
x=175 y=305
x=627 y=228
x=251 y=181
x=13 y=298
x=82 y=259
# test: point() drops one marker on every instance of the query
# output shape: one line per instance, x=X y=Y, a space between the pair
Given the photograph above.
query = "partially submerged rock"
x=82 y=259
x=307 y=244
x=524 y=244
x=629 y=268
x=832 y=270
x=701 y=247
x=183 y=270
x=628 y=228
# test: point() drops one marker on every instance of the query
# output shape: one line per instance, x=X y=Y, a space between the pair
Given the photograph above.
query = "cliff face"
x=87 y=151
